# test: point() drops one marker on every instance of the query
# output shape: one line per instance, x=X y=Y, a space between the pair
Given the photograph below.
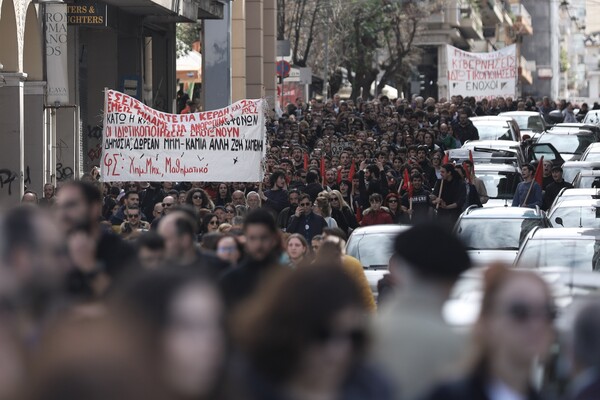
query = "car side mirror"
x=559 y=221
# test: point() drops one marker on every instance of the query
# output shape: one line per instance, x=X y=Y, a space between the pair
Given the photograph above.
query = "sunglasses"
x=392 y=201
x=522 y=312
x=230 y=211
x=196 y=197
x=213 y=222
x=167 y=204
x=133 y=216
x=305 y=204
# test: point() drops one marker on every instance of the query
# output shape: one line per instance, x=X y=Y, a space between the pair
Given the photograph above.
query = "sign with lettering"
x=87 y=13
x=143 y=144
x=57 y=87
x=482 y=75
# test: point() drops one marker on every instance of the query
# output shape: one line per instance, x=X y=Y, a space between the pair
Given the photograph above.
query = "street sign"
x=305 y=76
x=283 y=48
x=283 y=68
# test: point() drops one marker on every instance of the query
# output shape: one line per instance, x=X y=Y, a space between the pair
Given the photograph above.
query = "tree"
x=298 y=21
x=186 y=35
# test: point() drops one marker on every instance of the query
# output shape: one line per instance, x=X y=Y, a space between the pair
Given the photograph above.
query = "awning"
x=172 y=10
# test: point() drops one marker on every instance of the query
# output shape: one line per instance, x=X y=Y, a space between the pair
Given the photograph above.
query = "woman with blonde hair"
x=324 y=209
x=341 y=212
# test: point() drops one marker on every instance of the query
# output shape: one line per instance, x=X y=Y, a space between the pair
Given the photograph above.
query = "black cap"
x=556 y=168
x=432 y=252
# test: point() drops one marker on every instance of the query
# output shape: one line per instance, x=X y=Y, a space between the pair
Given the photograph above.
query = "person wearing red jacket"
x=376 y=215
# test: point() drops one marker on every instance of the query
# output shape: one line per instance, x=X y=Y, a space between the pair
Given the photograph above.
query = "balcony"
x=522 y=21
x=172 y=10
x=491 y=12
x=467 y=19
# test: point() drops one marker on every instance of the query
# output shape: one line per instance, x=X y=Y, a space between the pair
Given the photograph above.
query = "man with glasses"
x=131 y=199
x=134 y=223
x=305 y=221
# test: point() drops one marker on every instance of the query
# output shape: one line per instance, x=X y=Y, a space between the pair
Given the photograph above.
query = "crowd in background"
x=190 y=290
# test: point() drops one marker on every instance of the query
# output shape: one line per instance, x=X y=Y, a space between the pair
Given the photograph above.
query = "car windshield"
x=529 y=122
x=499 y=185
x=493 y=132
x=495 y=233
x=576 y=217
x=592 y=156
x=573 y=144
x=374 y=249
x=588 y=182
x=581 y=253
x=592 y=118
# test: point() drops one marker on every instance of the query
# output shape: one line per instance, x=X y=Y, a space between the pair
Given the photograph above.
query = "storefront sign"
x=87 y=13
x=56 y=54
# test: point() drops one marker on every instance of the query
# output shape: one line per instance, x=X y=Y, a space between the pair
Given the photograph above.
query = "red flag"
x=471 y=158
x=323 y=170
x=405 y=179
x=352 y=171
x=305 y=161
x=358 y=214
x=539 y=172
x=467 y=168
x=411 y=190
x=446 y=158
x=339 y=175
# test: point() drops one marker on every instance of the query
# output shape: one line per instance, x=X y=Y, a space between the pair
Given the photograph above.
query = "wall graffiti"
x=7 y=177
x=63 y=173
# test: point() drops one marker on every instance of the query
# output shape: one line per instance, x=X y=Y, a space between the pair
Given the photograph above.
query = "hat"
x=449 y=260
x=556 y=168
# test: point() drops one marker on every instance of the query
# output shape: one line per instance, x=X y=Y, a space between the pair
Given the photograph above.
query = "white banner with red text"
x=143 y=144
x=482 y=75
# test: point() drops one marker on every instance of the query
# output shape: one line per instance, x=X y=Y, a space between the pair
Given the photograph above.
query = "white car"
x=497 y=128
x=373 y=246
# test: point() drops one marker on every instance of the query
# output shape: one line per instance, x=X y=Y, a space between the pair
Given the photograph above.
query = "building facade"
x=127 y=45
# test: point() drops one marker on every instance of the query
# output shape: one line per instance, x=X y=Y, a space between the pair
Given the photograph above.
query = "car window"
x=575 y=217
x=575 y=144
x=581 y=254
x=496 y=233
x=374 y=249
x=500 y=185
x=530 y=122
x=587 y=182
x=494 y=132
x=591 y=156
x=592 y=118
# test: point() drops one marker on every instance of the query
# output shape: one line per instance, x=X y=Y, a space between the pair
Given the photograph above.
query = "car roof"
x=565 y=233
x=502 y=212
x=490 y=167
x=491 y=144
x=519 y=113
x=590 y=202
x=582 y=164
x=386 y=228
x=491 y=118
x=594 y=146
x=566 y=130
x=580 y=192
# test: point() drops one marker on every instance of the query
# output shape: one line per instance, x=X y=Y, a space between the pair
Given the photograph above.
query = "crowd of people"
x=190 y=290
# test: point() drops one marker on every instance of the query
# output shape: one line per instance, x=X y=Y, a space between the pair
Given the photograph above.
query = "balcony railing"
x=522 y=22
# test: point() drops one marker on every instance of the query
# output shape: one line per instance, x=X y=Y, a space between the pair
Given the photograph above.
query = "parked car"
x=572 y=168
x=530 y=123
x=373 y=246
x=561 y=248
x=576 y=213
x=592 y=117
x=592 y=153
x=571 y=143
x=587 y=179
x=497 y=128
x=495 y=233
x=574 y=194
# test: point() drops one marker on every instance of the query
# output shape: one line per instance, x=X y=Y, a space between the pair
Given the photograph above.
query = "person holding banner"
x=529 y=192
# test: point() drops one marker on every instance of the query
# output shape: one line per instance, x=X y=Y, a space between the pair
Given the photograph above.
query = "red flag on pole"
x=467 y=168
x=539 y=172
x=352 y=171
x=339 y=175
x=446 y=158
x=411 y=190
x=405 y=179
x=305 y=161
x=323 y=170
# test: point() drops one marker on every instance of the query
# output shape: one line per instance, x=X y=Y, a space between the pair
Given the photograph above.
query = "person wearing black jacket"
x=464 y=129
x=262 y=251
x=305 y=221
x=276 y=198
x=554 y=188
x=371 y=179
x=313 y=188
x=283 y=218
x=450 y=195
